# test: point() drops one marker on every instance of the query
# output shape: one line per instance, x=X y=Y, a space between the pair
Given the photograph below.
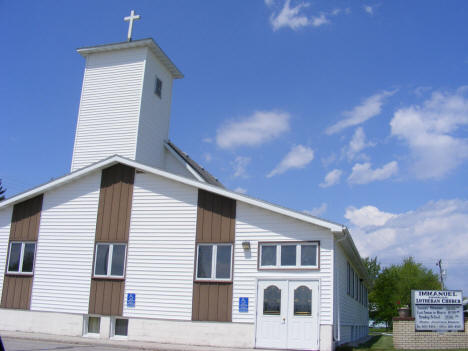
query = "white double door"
x=287 y=314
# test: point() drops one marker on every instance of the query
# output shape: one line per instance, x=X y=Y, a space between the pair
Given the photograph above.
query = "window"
x=348 y=285
x=21 y=257
x=120 y=327
x=214 y=262
x=92 y=325
x=158 y=87
x=288 y=255
x=302 y=301
x=272 y=301
x=110 y=260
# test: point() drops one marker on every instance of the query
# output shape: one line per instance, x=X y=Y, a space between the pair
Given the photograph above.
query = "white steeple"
x=125 y=103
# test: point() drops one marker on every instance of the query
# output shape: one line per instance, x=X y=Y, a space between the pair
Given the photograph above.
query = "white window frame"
x=109 y=261
x=23 y=245
x=86 y=325
x=298 y=255
x=112 y=326
x=214 y=256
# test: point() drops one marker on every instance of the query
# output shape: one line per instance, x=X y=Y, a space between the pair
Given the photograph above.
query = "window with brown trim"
x=109 y=261
x=21 y=257
x=214 y=262
x=289 y=255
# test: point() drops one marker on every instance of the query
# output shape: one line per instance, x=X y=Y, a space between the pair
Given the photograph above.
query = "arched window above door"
x=272 y=300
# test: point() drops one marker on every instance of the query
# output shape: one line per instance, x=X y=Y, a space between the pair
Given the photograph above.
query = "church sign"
x=438 y=310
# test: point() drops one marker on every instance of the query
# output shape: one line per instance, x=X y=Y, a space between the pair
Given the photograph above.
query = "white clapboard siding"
x=5 y=221
x=161 y=248
x=109 y=106
x=62 y=274
x=352 y=312
x=153 y=127
x=255 y=225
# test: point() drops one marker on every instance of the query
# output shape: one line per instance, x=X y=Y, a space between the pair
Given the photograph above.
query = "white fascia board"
x=185 y=164
x=333 y=227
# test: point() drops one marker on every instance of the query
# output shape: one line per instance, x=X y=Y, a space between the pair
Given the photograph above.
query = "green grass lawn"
x=376 y=343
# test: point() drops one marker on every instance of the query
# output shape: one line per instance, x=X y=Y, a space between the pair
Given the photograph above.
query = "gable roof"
x=340 y=231
x=202 y=172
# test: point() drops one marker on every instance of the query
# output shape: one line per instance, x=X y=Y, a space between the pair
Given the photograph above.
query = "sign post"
x=440 y=311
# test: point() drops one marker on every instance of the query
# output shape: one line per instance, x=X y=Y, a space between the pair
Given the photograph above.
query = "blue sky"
x=354 y=111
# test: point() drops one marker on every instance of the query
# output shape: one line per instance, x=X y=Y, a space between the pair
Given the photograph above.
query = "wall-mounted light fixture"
x=246 y=245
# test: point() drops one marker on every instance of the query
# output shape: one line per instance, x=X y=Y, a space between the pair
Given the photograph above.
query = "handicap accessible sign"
x=131 y=300
x=243 y=304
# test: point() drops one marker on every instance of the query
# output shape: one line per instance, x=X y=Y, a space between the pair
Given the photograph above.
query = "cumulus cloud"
x=370 y=107
x=363 y=173
x=240 y=166
x=257 y=129
x=317 y=211
x=439 y=229
x=298 y=157
x=332 y=178
x=357 y=144
x=369 y=9
x=240 y=190
x=430 y=131
x=294 y=17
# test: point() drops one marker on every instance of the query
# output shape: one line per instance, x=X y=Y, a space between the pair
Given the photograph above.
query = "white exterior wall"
x=109 y=106
x=5 y=223
x=255 y=225
x=62 y=273
x=173 y=165
x=161 y=248
x=153 y=127
x=353 y=317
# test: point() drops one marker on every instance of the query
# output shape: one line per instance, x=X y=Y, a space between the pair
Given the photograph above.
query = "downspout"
x=338 y=322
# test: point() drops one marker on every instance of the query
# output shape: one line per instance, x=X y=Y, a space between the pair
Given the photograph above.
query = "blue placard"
x=131 y=300
x=243 y=304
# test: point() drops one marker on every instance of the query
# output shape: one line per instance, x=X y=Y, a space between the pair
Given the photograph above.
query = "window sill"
x=19 y=274
x=97 y=277
x=292 y=268
x=213 y=281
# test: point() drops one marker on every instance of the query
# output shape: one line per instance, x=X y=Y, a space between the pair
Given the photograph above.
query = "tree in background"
x=392 y=288
x=373 y=271
x=2 y=191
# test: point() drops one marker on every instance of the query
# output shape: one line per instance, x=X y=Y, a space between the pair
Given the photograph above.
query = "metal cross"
x=130 y=19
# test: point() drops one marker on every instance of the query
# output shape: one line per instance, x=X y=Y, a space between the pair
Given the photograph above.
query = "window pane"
x=102 y=257
x=302 y=301
x=268 y=255
x=223 y=262
x=94 y=325
x=288 y=255
x=121 y=327
x=272 y=300
x=118 y=260
x=205 y=254
x=28 y=257
x=308 y=255
x=15 y=253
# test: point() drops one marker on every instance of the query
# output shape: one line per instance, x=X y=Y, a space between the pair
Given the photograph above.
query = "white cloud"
x=439 y=229
x=259 y=128
x=367 y=216
x=240 y=190
x=294 y=18
x=317 y=211
x=362 y=173
x=357 y=144
x=240 y=166
x=298 y=157
x=430 y=131
x=332 y=178
x=369 y=9
x=207 y=156
x=370 y=107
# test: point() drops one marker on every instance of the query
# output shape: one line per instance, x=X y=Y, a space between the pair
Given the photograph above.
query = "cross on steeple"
x=130 y=19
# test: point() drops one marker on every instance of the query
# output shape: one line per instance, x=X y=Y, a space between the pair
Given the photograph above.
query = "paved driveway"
x=16 y=344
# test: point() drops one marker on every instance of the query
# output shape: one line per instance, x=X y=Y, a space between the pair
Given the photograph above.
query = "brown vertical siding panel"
x=207 y=218
x=229 y=304
x=222 y=302
x=204 y=302
x=114 y=211
x=200 y=210
x=195 y=301
x=10 y=297
x=107 y=303
x=106 y=216
x=213 y=302
x=100 y=214
x=17 y=293
x=226 y=222
x=99 y=304
x=216 y=221
x=121 y=222
x=92 y=297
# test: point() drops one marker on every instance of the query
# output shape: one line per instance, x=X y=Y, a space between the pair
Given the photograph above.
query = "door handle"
x=284 y=321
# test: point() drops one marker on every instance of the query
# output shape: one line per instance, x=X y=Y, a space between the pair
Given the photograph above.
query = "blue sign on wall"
x=131 y=300
x=243 y=304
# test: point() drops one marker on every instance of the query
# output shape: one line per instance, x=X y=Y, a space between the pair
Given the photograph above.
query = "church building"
x=139 y=242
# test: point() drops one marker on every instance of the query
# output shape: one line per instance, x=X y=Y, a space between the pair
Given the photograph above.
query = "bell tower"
x=125 y=102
